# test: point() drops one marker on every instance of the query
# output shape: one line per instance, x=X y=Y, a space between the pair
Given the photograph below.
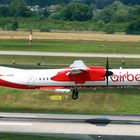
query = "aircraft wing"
x=80 y=73
x=77 y=72
x=77 y=67
x=78 y=64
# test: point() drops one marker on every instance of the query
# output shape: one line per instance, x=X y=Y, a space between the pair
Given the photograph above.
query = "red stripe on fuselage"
x=15 y=85
x=22 y=86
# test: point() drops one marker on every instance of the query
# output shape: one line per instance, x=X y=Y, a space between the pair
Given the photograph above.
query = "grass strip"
x=101 y=101
x=5 y=136
x=71 y=46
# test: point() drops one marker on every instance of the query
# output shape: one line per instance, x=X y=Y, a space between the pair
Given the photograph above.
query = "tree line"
x=83 y=10
x=99 y=3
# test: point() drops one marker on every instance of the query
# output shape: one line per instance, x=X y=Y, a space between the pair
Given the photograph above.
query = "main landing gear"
x=75 y=93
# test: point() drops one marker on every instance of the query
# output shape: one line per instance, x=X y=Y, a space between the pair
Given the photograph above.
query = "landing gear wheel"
x=75 y=94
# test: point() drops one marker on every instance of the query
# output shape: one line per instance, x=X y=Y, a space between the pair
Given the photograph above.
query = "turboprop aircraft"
x=73 y=78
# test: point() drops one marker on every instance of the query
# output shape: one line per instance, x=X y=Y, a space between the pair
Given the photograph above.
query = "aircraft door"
x=31 y=80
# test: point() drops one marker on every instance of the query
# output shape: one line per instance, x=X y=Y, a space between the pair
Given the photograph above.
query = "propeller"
x=108 y=73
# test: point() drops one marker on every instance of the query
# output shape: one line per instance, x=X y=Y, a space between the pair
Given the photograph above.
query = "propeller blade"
x=107 y=65
x=108 y=73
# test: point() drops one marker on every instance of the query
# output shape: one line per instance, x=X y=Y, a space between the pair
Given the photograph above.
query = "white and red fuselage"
x=62 y=79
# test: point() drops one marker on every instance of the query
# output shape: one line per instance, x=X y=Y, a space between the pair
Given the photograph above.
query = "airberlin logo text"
x=125 y=77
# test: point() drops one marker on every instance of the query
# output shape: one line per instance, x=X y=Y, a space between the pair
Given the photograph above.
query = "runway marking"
x=12 y=123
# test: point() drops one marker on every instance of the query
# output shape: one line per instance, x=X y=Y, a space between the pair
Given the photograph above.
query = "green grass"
x=71 y=46
x=4 y=136
x=60 y=62
x=101 y=101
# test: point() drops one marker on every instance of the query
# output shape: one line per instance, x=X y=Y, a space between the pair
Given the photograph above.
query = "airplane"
x=72 y=78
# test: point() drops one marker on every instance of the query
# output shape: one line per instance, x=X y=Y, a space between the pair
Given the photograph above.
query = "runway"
x=69 y=54
x=80 y=126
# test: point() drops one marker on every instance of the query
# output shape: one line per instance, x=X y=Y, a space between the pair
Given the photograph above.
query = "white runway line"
x=15 y=123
